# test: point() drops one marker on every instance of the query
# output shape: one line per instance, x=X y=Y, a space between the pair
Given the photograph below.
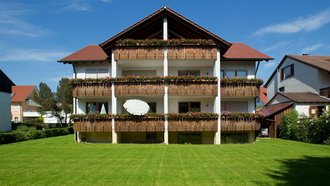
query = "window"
x=234 y=73
x=97 y=73
x=189 y=72
x=281 y=89
x=222 y=74
x=185 y=107
x=153 y=107
x=16 y=120
x=287 y=72
x=96 y=107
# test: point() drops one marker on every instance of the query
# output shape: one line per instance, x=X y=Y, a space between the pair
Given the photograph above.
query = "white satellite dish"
x=136 y=107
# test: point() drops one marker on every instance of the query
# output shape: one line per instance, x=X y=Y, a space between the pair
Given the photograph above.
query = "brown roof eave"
x=161 y=11
x=83 y=61
x=249 y=59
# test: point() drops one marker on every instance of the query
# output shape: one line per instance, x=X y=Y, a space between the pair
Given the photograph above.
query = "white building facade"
x=200 y=88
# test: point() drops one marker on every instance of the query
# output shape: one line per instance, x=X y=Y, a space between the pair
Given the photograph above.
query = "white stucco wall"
x=238 y=105
x=249 y=66
x=5 y=115
x=302 y=109
x=81 y=68
x=305 y=79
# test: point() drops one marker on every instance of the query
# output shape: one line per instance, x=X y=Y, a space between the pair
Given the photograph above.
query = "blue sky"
x=34 y=34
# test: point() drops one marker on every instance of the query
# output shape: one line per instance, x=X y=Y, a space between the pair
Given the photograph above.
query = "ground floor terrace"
x=189 y=128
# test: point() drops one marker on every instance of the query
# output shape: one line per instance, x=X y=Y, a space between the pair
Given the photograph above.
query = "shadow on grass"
x=305 y=171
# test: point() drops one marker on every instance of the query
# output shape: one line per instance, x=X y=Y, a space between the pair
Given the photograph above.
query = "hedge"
x=16 y=136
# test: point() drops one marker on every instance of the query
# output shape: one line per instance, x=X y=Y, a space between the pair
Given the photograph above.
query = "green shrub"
x=22 y=135
x=289 y=125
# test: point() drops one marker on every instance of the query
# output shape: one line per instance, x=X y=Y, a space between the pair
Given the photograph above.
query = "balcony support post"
x=113 y=97
x=217 y=139
x=165 y=37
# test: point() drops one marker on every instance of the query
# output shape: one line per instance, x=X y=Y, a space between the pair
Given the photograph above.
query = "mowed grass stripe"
x=59 y=161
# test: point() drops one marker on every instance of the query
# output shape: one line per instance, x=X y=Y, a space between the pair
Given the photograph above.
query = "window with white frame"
x=97 y=73
x=233 y=73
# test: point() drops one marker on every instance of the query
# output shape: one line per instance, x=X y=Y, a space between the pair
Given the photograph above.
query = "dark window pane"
x=195 y=107
x=183 y=107
x=153 y=107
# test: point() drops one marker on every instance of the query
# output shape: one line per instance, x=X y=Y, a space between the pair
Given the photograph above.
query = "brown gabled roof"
x=88 y=53
x=273 y=109
x=240 y=51
x=304 y=97
x=172 y=14
x=21 y=93
x=320 y=62
x=5 y=82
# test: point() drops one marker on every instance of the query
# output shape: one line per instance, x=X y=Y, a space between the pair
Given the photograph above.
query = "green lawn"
x=59 y=161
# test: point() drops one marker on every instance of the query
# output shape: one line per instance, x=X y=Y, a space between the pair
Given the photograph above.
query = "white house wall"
x=306 y=79
x=238 y=105
x=249 y=66
x=80 y=69
x=5 y=116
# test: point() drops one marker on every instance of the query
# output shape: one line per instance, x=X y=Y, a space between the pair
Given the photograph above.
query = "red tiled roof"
x=242 y=51
x=89 y=53
x=21 y=93
x=305 y=97
x=272 y=109
x=263 y=95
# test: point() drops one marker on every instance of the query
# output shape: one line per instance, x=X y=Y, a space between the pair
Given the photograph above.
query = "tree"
x=64 y=97
x=46 y=98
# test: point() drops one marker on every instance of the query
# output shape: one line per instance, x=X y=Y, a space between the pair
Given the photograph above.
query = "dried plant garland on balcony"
x=238 y=81
x=240 y=116
x=160 y=42
x=193 y=116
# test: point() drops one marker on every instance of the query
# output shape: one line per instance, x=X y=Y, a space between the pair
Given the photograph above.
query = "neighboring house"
x=305 y=103
x=262 y=98
x=176 y=66
x=300 y=73
x=5 y=94
x=23 y=108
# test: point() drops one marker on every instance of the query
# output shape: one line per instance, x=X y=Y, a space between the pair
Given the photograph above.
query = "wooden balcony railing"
x=91 y=88
x=96 y=126
x=234 y=122
x=139 y=53
x=190 y=122
x=192 y=52
x=192 y=86
x=240 y=87
x=140 y=124
x=139 y=89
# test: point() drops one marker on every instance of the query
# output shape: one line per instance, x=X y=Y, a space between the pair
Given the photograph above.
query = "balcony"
x=153 y=49
x=148 y=123
x=91 y=88
x=92 y=122
x=240 y=122
x=139 y=86
x=240 y=87
x=192 y=122
x=192 y=86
